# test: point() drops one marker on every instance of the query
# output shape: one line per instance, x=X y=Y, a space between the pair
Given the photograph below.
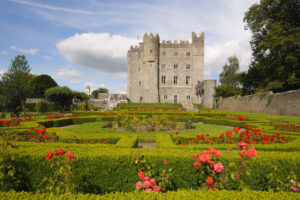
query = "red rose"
x=165 y=162
x=229 y=133
x=218 y=167
x=242 y=154
x=242 y=145
x=197 y=165
x=152 y=181
x=141 y=175
x=195 y=156
x=47 y=137
x=236 y=129
x=49 y=155
x=59 y=152
x=53 y=133
x=147 y=184
x=204 y=158
x=171 y=135
x=217 y=154
x=252 y=153
x=209 y=181
x=70 y=156
x=138 y=185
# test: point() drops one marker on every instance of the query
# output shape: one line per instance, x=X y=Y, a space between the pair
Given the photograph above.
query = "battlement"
x=175 y=44
x=134 y=49
x=196 y=38
x=151 y=38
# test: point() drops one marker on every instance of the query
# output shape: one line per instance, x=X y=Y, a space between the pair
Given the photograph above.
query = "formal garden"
x=143 y=151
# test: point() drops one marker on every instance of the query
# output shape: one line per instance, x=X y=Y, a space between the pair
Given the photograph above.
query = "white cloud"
x=216 y=55
x=25 y=51
x=47 y=57
x=3 y=52
x=70 y=74
x=97 y=50
x=94 y=86
x=121 y=89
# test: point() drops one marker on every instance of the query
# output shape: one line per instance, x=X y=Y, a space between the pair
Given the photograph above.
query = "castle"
x=167 y=72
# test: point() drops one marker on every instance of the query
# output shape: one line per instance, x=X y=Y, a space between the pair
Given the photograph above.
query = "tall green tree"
x=99 y=90
x=230 y=73
x=40 y=84
x=275 y=43
x=15 y=87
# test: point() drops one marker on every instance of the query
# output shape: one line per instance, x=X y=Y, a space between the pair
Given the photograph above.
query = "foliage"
x=42 y=106
x=15 y=87
x=230 y=75
x=275 y=43
x=228 y=90
x=62 y=96
x=40 y=84
x=99 y=90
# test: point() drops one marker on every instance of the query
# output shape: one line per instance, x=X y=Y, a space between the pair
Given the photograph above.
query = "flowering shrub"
x=36 y=135
x=146 y=170
x=14 y=121
x=250 y=135
x=62 y=181
x=209 y=169
x=287 y=127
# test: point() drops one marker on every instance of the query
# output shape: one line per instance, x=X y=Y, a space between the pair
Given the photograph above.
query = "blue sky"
x=83 y=43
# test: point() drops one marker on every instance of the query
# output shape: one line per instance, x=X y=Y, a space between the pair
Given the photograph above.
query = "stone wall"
x=206 y=91
x=285 y=103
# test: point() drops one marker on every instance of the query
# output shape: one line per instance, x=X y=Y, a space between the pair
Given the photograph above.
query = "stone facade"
x=166 y=72
x=206 y=91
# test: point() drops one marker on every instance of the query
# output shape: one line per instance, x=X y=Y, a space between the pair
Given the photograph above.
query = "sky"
x=80 y=43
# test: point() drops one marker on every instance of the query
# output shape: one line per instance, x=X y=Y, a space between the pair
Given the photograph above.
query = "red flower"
x=242 y=154
x=209 y=181
x=59 y=152
x=195 y=156
x=197 y=165
x=217 y=154
x=229 y=133
x=141 y=175
x=171 y=135
x=70 y=156
x=236 y=129
x=147 y=184
x=138 y=185
x=152 y=181
x=252 y=153
x=242 y=145
x=53 y=133
x=204 y=158
x=47 y=137
x=49 y=155
x=106 y=141
x=165 y=162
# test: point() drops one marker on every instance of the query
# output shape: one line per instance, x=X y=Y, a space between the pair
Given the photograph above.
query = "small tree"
x=15 y=87
x=61 y=96
x=41 y=83
x=230 y=75
x=99 y=90
x=81 y=96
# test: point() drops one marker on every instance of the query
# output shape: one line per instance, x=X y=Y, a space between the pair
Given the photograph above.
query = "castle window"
x=188 y=66
x=140 y=83
x=188 y=53
x=151 y=51
x=163 y=79
x=188 y=79
x=163 y=66
x=198 y=82
x=175 y=53
x=188 y=97
x=163 y=53
x=141 y=99
x=175 y=66
x=175 y=80
x=165 y=97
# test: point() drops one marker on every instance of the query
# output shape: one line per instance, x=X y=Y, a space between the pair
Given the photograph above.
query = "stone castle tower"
x=166 y=72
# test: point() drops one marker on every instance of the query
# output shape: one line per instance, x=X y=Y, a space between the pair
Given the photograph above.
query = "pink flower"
x=197 y=165
x=204 y=158
x=218 y=167
x=70 y=156
x=242 y=145
x=242 y=154
x=148 y=190
x=152 y=181
x=146 y=178
x=292 y=181
x=294 y=188
x=237 y=176
x=157 y=189
x=229 y=149
x=217 y=154
x=141 y=175
x=146 y=184
x=243 y=163
x=252 y=153
x=138 y=185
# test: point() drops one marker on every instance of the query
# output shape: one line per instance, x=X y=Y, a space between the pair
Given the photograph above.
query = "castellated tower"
x=166 y=72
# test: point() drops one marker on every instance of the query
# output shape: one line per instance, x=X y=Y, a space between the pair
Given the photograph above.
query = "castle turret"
x=88 y=90
x=149 y=79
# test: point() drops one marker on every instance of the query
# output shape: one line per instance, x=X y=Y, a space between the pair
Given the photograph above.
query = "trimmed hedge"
x=101 y=169
x=179 y=195
x=66 y=121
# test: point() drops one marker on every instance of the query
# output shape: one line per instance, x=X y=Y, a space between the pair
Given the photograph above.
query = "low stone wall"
x=285 y=103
